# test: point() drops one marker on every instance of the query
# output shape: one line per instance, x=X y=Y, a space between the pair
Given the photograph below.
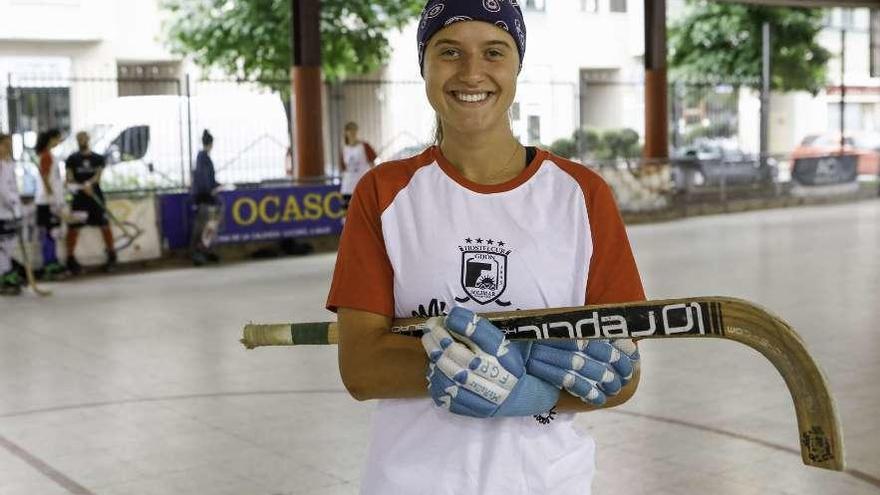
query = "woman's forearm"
x=393 y=368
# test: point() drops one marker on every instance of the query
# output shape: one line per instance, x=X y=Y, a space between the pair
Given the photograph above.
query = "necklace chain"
x=515 y=151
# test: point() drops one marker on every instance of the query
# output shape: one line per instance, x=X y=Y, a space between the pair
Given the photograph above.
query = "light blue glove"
x=475 y=371
x=591 y=370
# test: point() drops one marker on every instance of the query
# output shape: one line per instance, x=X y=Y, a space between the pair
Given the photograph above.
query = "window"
x=130 y=145
x=590 y=6
x=37 y=109
x=617 y=6
x=847 y=19
x=514 y=111
x=534 y=129
x=535 y=4
x=157 y=78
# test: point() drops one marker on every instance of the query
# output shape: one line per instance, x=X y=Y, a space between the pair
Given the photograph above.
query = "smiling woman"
x=479 y=223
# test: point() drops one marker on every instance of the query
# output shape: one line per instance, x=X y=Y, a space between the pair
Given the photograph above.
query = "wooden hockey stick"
x=28 y=269
x=128 y=237
x=716 y=317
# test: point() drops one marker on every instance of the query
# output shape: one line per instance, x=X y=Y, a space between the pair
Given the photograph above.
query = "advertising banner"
x=135 y=233
x=264 y=214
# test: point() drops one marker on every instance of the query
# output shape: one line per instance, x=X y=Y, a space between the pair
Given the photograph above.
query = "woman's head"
x=439 y=14
x=47 y=140
x=351 y=133
x=471 y=53
x=207 y=140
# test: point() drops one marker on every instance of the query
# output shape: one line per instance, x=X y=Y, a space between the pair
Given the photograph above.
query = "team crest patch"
x=483 y=270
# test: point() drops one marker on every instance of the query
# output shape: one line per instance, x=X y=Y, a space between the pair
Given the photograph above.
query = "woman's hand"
x=475 y=371
x=591 y=370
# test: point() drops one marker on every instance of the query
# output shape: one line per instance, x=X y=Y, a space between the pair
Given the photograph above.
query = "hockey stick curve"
x=820 y=435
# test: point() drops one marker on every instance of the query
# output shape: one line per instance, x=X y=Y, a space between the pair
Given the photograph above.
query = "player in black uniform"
x=84 y=179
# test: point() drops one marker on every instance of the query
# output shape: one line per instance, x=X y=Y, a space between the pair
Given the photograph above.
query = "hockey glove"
x=475 y=371
x=591 y=370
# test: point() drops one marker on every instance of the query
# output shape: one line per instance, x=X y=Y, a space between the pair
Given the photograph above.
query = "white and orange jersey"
x=419 y=239
x=357 y=158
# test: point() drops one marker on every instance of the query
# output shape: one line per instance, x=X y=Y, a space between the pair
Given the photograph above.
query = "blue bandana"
x=505 y=14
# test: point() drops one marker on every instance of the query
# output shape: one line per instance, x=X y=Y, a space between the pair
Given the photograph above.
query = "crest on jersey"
x=483 y=270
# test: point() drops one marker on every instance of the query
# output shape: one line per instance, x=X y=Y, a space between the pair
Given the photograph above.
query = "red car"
x=865 y=146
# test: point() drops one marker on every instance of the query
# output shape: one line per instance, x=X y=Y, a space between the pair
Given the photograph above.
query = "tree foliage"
x=250 y=39
x=723 y=41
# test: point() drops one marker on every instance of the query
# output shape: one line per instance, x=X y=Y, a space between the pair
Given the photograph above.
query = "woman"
x=10 y=216
x=357 y=158
x=483 y=223
x=204 y=190
x=50 y=203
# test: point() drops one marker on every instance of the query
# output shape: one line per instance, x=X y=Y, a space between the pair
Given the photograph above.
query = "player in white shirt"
x=356 y=158
x=50 y=204
x=10 y=216
x=479 y=223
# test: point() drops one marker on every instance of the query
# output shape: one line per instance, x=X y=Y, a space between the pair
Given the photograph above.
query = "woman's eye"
x=495 y=54
x=449 y=52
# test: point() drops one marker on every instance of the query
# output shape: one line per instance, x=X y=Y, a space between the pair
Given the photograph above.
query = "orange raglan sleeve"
x=613 y=277
x=45 y=163
x=371 y=153
x=363 y=278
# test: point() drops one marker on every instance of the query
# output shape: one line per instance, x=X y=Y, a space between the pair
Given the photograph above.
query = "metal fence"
x=150 y=129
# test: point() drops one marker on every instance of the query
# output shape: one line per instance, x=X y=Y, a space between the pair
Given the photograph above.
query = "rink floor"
x=136 y=383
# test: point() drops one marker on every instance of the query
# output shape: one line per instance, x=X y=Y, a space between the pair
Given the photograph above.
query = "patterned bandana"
x=505 y=14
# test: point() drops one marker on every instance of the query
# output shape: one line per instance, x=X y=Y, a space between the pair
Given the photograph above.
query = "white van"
x=150 y=141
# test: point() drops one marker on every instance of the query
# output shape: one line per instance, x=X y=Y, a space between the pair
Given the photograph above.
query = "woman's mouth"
x=471 y=97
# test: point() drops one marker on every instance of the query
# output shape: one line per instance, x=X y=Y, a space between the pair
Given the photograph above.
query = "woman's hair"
x=207 y=138
x=43 y=139
x=351 y=126
x=438 y=131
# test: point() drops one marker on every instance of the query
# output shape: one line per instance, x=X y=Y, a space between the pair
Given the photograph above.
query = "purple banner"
x=251 y=215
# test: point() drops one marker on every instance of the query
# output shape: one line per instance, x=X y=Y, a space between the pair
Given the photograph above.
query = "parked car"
x=864 y=145
x=148 y=143
x=711 y=163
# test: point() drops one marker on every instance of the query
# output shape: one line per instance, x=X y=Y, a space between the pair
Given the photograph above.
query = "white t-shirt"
x=56 y=181
x=421 y=238
x=357 y=158
x=10 y=202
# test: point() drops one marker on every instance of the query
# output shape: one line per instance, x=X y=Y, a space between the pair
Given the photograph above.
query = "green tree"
x=250 y=39
x=723 y=40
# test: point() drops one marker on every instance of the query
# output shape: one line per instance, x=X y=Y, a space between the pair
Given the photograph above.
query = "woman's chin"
x=472 y=127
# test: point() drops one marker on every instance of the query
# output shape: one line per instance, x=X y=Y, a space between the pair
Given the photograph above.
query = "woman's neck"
x=487 y=158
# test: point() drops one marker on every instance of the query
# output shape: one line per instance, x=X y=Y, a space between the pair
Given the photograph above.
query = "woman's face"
x=470 y=74
x=351 y=134
x=53 y=142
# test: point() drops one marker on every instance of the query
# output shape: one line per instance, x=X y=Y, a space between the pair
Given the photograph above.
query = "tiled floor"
x=136 y=384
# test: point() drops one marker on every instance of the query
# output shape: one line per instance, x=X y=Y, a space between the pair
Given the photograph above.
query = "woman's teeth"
x=472 y=98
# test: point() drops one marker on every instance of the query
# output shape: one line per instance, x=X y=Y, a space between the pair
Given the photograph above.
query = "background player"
x=10 y=217
x=357 y=158
x=50 y=204
x=205 y=189
x=84 y=170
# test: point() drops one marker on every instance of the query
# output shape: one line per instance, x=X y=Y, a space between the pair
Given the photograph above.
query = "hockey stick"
x=129 y=237
x=718 y=317
x=28 y=269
